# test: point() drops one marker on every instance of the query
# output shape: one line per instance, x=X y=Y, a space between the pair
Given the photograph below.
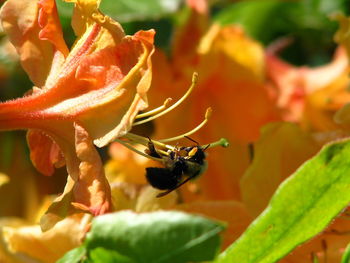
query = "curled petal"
x=91 y=191
x=87 y=188
x=86 y=14
x=50 y=25
x=20 y=22
x=44 y=153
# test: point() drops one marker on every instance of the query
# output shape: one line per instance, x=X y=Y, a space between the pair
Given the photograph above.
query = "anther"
x=194 y=82
x=207 y=116
x=156 y=110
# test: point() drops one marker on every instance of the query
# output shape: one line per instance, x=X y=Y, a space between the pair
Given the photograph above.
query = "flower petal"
x=48 y=246
x=92 y=190
x=309 y=95
x=231 y=80
x=147 y=200
x=201 y=6
x=87 y=188
x=86 y=15
x=20 y=21
x=4 y=179
x=50 y=25
x=44 y=153
x=119 y=70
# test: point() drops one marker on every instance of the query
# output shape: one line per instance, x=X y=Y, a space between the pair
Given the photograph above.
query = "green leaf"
x=254 y=16
x=73 y=256
x=102 y=255
x=156 y=237
x=65 y=12
x=138 y=10
x=346 y=255
x=301 y=208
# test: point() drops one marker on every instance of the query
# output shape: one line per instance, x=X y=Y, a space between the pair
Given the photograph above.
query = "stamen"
x=207 y=116
x=194 y=82
x=222 y=142
x=154 y=111
x=144 y=141
x=137 y=151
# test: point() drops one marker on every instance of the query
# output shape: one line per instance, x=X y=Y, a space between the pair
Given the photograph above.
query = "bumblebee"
x=180 y=166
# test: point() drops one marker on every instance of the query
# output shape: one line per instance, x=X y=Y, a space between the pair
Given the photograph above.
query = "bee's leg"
x=151 y=151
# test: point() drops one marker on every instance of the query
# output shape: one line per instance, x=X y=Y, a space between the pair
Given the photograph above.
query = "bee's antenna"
x=189 y=138
x=206 y=147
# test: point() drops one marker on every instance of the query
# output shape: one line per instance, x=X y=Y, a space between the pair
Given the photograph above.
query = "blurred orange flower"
x=248 y=87
x=309 y=96
x=231 y=71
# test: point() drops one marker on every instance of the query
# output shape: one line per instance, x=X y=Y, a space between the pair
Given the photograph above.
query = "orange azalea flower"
x=309 y=96
x=88 y=95
x=233 y=79
x=248 y=88
x=231 y=73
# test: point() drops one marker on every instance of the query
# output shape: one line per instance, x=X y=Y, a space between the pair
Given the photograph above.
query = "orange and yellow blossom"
x=88 y=95
x=248 y=88
x=309 y=96
x=231 y=73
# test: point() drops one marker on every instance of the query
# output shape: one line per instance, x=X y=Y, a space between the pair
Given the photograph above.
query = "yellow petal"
x=126 y=165
x=232 y=41
x=5 y=255
x=4 y=179
x=86 y=14
x=48 y=246
x=147 y=200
